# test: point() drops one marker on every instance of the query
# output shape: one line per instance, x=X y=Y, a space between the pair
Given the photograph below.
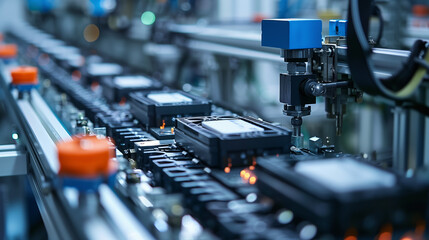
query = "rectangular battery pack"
x=337 y=194
x=118 y=88
x=230 y=141
x=161 y=108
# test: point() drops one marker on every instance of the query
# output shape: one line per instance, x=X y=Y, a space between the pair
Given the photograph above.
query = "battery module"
x=341 y=192
x=159 y=109
x=118 y=88
x=230 y=141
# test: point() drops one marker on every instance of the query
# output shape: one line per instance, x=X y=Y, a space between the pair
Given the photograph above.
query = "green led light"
x=148 y=18
x=15 y=136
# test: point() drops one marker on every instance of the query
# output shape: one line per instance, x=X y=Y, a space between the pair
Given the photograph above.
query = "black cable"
x=401 y=78
x=421 y=108
x=359 y=56
x=358 y=49
x=422 y=63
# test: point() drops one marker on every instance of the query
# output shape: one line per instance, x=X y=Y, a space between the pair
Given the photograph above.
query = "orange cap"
x=8 y=50
x=113 y=166
x=420 y=10
x=24 y=75
x=257 y=18
x=84 y=156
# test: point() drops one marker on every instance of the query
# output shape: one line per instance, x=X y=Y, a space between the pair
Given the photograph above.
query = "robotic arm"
x=312 y=66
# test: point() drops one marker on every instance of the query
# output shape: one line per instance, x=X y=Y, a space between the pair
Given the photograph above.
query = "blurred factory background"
x=212 y=48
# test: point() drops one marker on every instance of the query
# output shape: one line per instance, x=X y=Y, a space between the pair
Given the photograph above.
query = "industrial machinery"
x=150 y=128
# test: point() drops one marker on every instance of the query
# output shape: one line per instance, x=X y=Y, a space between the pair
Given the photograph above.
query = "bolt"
x=296 y=121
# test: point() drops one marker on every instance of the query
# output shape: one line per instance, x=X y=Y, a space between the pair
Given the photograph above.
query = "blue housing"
x=292 y=33
x=24 y=87
x=43 y=6
x=338 y=27
x=85 y=185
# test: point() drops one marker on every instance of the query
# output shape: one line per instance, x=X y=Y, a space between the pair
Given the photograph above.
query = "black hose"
x=359 y=56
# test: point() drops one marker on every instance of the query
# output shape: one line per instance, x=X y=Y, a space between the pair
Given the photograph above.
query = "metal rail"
x=40 y=129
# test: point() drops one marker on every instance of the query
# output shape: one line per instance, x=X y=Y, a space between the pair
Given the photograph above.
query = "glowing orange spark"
x=123 y=101
x=252 y=180
x=350 y=238
x=246 y=176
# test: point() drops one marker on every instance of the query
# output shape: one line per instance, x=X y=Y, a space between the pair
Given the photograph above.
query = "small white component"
x=103 y=69
x=63 y=50
x=345 y=175
x=169 y=97
x=235 y=126
x=132 y=81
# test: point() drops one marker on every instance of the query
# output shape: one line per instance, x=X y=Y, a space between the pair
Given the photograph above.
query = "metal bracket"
x=12 y=162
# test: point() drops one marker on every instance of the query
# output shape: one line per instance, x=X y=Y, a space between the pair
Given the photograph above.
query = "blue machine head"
x=292 y=33
x=338 y=27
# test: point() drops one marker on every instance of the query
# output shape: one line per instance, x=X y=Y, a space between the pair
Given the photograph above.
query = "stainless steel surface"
x=386 y=61
x=400 y=139
x=47 y=146
x=50 y=121
x=126 y=222
x=12 y=163
x=247 y=36
x=238 y=52
x=7 y=147
x=297 y=141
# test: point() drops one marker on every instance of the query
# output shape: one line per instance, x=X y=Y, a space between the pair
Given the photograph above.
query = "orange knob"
x=421 y=10
x=24 y=75
x=85 y=156
x=8 y=51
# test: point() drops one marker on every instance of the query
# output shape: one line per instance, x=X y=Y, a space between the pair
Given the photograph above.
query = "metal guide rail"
x=162 y=186
x=246 y=44
x=38 y=130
